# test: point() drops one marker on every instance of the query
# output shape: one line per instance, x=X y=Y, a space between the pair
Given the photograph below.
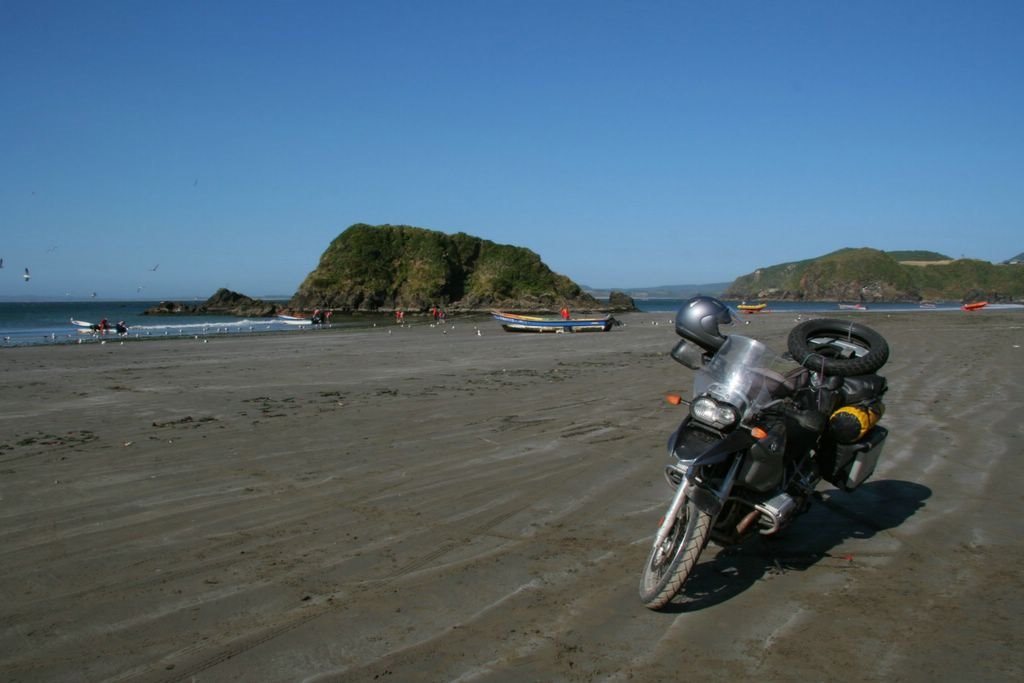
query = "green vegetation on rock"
x=390 y=267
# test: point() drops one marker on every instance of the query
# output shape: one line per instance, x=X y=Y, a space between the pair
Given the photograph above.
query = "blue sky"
x=627 y=143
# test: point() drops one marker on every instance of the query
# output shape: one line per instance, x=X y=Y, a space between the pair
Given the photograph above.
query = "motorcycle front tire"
x=671 y=562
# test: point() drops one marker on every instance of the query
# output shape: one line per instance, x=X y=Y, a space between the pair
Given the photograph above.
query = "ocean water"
x=31 y=323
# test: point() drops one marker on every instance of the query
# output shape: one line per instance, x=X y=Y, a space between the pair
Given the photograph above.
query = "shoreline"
x=191 y=327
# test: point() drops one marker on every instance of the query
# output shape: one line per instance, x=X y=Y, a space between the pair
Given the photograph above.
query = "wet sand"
x=430 y=504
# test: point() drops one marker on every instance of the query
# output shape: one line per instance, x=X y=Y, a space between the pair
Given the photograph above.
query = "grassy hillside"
x=873 y=275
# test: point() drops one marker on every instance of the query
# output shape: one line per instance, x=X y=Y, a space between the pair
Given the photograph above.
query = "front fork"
x=707 y=500
x=678 y=501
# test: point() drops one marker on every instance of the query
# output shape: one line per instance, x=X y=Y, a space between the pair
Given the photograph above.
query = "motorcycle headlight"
x=710 y=411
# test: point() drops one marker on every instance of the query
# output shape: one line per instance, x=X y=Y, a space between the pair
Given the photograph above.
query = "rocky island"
x=384 y=268
x=400 y=267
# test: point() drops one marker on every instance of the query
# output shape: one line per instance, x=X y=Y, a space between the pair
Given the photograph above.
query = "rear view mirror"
x=689 y=354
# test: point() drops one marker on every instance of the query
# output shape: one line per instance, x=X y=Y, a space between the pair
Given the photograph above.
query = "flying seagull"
x=27 y=275
x=153 y=269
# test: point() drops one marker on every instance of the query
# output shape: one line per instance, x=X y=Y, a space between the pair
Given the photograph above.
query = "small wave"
x=61 y=335
x=245 y=324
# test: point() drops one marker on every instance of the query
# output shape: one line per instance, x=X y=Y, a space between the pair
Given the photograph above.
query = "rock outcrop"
x=223 y=302
x=400 y=267
x=620 y=301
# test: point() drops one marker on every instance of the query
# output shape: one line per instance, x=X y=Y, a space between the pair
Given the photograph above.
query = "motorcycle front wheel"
x=671 y=562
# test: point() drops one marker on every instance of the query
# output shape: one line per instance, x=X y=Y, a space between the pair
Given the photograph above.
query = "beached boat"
x=85 y=327
x=853 y=307
x=293 y=319
x=974 y=306
x=88 y=327
x=511 y=322
x=751 y=308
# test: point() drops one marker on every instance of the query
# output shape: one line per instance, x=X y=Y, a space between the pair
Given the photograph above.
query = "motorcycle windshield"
x=744 y=373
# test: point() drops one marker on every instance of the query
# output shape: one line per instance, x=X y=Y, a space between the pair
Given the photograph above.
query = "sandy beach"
x=432 y=504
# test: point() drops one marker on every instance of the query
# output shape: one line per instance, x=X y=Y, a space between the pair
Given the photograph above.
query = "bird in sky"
x=153 y=269
x=1 y=263
x=27 y=275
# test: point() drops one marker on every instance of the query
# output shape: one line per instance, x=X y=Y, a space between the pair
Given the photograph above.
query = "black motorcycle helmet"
x=698 y=319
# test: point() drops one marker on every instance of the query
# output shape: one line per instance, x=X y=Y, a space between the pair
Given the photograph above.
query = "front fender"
x=705 y=500
x=739 y=440
x=706 y=450
x=695 y=448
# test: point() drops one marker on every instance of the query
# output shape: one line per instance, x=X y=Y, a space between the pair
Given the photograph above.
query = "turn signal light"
x=758 y=433
x=674 y=399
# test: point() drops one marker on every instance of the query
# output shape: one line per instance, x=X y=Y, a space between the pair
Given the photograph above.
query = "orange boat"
x=751 y=308
x=974 y=306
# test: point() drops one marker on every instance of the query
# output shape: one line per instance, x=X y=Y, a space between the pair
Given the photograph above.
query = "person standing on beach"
x=564 y=312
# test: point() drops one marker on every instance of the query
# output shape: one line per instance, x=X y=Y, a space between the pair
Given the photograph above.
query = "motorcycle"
x=762 y=431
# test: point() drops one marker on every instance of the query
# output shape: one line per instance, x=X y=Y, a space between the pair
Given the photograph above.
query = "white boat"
x=85 y=327
x=293 y=320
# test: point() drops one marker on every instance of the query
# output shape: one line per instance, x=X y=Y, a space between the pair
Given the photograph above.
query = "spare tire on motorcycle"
x=850 y=353
x=839 y=348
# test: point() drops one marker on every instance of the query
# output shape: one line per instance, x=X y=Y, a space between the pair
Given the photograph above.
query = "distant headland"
x=873 y=276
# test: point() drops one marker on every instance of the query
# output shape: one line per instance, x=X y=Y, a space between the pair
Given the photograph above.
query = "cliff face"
x=388 y=267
